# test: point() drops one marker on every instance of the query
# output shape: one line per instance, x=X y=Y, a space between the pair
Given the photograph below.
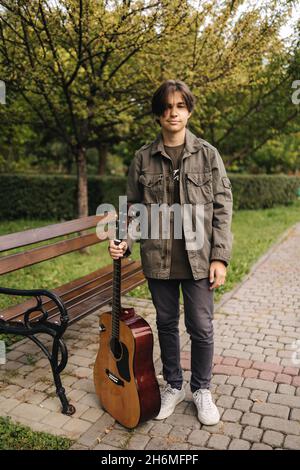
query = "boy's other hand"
x=217 y=274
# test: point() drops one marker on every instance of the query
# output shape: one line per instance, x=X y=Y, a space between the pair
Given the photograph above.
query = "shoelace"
x=205 y=395
x=166 y=394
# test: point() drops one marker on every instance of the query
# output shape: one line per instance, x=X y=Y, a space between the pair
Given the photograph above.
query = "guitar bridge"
x=114 y=378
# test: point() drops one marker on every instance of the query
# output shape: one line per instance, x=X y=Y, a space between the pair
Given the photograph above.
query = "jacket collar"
x=192 y=143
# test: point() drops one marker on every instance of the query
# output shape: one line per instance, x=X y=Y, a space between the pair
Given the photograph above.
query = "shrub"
x=54 y=196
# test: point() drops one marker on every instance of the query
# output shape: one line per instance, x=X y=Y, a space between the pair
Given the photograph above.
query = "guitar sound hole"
x=116 y=348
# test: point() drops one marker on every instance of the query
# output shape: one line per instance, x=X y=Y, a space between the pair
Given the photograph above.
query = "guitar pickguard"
x=121 y=355
x=123 y=364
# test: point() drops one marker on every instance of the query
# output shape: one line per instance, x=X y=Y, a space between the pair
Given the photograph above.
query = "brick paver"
x=256 y=374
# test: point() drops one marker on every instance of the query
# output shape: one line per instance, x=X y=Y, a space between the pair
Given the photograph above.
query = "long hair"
x=160 y=97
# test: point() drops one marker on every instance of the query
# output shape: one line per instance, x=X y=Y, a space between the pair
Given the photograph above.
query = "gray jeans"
x=198 y=315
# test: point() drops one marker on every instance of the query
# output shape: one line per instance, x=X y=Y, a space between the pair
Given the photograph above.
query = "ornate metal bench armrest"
x=37 y=293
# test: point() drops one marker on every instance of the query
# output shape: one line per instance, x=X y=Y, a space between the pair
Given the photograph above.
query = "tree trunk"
x=103 y=150
x=82 y=189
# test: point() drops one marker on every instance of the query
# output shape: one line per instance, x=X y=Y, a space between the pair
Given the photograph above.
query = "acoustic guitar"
x=124 y=374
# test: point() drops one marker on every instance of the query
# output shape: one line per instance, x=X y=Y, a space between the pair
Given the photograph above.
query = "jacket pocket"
x=227 y=188
x=152 y=184
x=199 y=188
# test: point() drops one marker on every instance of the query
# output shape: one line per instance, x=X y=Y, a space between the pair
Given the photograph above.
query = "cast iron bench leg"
x=57 y=368
x=32 y=325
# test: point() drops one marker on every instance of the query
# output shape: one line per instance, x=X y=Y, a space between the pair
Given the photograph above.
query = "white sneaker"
x=208 y=413
x=170 y=397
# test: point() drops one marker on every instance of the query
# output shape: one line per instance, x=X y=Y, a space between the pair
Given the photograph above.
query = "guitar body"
x=124 y=374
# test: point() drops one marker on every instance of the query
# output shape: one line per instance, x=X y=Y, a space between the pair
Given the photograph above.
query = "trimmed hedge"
x=263 y=191
x=54 y=196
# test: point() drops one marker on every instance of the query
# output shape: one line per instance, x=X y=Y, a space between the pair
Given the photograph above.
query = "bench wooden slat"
x=94 y=288
x=12 y=263
x=13 y=311
x=103 y=292
x=36 y=235
x=102 y=298
x=91 y=305
x=131 y=278
x=66 y=291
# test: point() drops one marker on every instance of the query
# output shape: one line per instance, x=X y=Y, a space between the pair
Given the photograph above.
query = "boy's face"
x=176 y=116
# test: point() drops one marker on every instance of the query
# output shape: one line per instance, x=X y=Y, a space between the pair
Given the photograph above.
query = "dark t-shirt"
x=180 y=266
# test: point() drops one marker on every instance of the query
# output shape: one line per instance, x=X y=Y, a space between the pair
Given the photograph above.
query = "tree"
x=238 y=67
x=84 y=72
x=66 y=58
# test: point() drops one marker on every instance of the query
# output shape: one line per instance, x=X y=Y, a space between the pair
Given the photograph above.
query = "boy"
x=179 y=168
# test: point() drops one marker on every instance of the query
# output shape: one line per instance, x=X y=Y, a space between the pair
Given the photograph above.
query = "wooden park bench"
x=52 y=311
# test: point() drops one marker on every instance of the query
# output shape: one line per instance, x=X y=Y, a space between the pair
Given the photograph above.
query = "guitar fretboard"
x=116 y=300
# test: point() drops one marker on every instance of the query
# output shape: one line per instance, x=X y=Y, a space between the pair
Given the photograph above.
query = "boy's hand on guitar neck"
x=117 y=251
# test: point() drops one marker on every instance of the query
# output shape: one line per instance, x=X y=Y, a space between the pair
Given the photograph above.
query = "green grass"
x=18 y=437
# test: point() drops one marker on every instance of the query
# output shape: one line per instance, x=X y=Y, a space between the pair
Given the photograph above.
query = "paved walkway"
x=256 y=382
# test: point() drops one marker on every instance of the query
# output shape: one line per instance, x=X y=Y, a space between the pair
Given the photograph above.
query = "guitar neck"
x=116 y=299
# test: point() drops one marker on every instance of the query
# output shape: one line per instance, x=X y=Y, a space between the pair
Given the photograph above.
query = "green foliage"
x=85 y=76
x=10 y=339
x=37 y=196
x=19 y=437
x=34 y=196
x=276 y=156
x=31 y=360
x=263 y=191
x=54 y=196
x=111 y=188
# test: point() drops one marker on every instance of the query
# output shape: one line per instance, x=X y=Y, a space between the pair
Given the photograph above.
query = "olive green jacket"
x=202 y=182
